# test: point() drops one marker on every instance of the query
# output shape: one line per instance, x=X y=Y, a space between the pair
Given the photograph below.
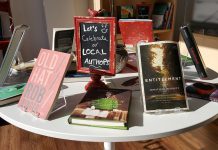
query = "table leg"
x=109 y=146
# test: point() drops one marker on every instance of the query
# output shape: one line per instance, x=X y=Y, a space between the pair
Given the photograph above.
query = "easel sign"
x=95 y=45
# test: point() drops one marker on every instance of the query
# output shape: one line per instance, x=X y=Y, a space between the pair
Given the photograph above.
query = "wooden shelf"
x=161 y=31
x=161 y=34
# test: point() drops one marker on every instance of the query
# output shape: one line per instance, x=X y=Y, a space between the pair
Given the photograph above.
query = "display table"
x=141 y=126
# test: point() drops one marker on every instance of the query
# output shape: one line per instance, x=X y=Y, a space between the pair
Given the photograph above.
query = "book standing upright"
x=44 y=84
x=161 y=77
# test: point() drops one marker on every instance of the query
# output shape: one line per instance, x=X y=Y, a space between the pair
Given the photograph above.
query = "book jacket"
x=161 y=77
x=44 y=83
x=135 y=30
x=202 y=90
x=106 y=108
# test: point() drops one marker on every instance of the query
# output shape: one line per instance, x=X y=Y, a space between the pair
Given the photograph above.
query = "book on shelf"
x=1 y=35
x=143 y=10
x=135 y=30
x=44 y=83
x=10 y=94
x=162 y=15
x=202 y=90
x=106 y=108
x=161 y=77
x=5 y=25
x=125 y=12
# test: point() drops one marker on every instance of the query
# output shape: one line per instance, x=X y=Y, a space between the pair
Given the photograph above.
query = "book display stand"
x=11 y=55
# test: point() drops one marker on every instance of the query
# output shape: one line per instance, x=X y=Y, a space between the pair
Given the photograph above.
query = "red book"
x=135 y=30
x=44 y=83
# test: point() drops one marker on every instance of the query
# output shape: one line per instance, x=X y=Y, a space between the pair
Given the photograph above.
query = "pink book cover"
x=43 y=86
x=135 y=30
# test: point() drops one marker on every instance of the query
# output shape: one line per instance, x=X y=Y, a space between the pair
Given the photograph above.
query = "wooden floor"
x=204 y=138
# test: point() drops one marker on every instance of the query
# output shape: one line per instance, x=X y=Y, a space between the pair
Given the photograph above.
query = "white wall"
x=60 y=13
x=42 y=16
x=31 y=13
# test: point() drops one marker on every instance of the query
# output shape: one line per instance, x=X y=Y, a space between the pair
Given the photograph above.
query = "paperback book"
x=106 y=108
x=161 y=77
x=44 y=83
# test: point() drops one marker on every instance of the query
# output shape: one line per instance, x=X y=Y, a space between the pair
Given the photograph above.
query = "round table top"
x=142 y=126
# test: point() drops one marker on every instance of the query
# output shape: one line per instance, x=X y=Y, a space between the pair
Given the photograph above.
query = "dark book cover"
x=159 y=15
x=161 y=76
x=194 y=51
x=143 y=11
x=202 y=90
x=1 y=35
x=106 y=108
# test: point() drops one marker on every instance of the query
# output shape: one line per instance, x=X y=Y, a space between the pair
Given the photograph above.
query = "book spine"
x=194 y=51
x=1 y=35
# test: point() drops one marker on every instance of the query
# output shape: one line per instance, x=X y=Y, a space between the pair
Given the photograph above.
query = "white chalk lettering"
x=93 y=52
x=88 y=28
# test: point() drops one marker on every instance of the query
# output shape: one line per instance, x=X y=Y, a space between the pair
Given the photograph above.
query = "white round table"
x=142 y=126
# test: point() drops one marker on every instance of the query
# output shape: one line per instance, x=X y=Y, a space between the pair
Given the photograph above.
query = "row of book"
x=160 y=13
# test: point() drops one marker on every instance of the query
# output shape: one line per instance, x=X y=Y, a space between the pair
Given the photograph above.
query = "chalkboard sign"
x=95 y=44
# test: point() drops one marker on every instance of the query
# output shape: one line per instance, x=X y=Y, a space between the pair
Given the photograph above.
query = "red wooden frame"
x=111 y=22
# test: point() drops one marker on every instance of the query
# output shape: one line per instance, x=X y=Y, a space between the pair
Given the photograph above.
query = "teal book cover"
x=11 y=91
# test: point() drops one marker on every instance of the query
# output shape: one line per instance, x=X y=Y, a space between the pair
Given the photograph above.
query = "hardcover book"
x=9 y=94
x=44 y=83
x=135 y=30
x=202 y=90
x=161 y=78
x=106 y=108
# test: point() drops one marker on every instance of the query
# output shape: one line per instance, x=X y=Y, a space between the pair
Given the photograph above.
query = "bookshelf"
x=4 y=7
x=162 y=34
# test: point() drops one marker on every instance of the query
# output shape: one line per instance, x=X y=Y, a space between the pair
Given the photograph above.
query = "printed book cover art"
x=125 y=12
x=135 y=30
x=11 y=91
x=44 y=83
x=161 y=76
x=202 y=90
x=103 y=108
